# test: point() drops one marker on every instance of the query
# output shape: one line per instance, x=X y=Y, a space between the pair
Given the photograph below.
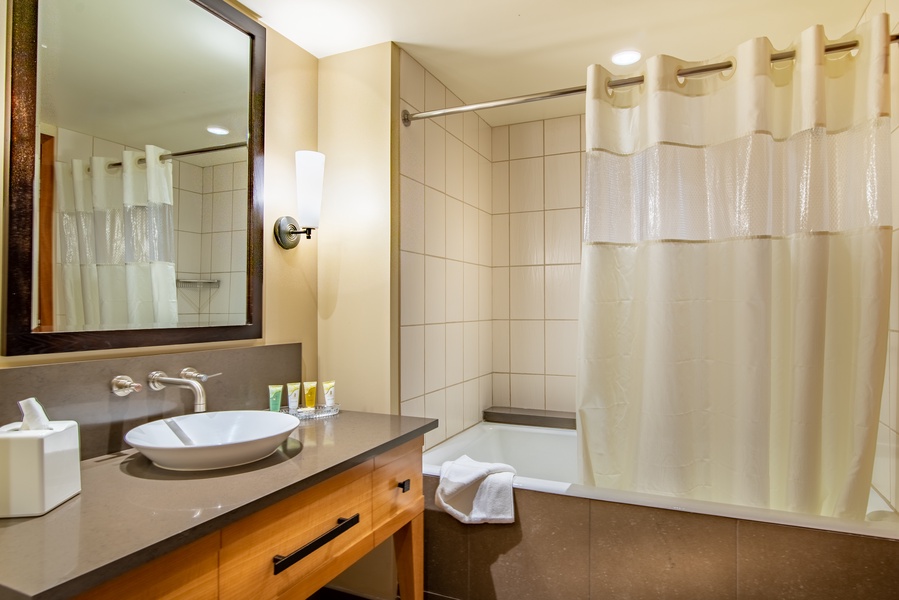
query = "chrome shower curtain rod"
x=408 y=117
x=164 y=157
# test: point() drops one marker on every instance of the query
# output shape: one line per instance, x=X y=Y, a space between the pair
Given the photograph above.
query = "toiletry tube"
x=274 y=397
x=309 y=387
x=328 y=387
x=293 y=397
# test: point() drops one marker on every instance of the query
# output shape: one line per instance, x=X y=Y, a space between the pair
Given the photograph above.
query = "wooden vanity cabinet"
x=188 y=573
x=308 y=538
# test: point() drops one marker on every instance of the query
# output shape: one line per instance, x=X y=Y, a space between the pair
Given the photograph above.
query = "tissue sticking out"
x=33 y=415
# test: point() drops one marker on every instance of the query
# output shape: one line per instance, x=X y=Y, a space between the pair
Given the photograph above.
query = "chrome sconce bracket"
x=287 y=232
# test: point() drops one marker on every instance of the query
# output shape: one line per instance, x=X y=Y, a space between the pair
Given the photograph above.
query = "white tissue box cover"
x=39 y=469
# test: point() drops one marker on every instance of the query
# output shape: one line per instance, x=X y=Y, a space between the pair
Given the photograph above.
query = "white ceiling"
x=491 y=49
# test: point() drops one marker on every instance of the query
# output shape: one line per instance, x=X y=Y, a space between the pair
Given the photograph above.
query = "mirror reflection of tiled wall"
x=211 y=239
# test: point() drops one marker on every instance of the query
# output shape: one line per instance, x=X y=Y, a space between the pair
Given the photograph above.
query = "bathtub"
x=545 y=460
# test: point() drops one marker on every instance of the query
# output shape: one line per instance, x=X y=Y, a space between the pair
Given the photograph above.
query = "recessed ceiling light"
x=217 y=130
x=626 y=57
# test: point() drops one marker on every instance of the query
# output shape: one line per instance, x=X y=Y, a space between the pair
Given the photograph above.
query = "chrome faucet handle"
x=191 y=373
x=122 y=385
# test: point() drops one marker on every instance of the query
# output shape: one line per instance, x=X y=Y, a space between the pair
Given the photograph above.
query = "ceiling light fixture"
x=626 y=57
x=215 y=129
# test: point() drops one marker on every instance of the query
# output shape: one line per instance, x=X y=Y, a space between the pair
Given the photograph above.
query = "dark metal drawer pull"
x=284 y=562
x=404 y=485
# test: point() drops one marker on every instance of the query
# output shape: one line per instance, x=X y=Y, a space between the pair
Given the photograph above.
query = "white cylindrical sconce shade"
x=310 y=180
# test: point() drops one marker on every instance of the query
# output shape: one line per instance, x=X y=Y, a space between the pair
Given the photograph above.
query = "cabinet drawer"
x=396 y=489
x=246 y=567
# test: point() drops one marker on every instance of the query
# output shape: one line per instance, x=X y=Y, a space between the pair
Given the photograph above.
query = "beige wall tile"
x=412 y=148
x=412 y=362
x=455 y=171
x=412 y=215
x=526 y=293
x=471 y=401
x=435 y=155
x=435 y=289
x=526 y=140
x=526 y=354
x=501 y=346
x=412 y=82
x=526 y=238
x=526 y=185
x=435 y=358
x=455 y=410
x=500 y=187
x=470 y=340
x=454 y=291
x=501 y=392
x=435 y=408
x=434 y=223
x=454 y=353
x=562 y=135
x=562 y=175
x=412 y=288
x=526 y=391
x=560 y=393
x=470 y=296
x=500 y=143
x=455 y=234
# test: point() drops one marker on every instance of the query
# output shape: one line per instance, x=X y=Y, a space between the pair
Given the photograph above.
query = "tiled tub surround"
x=130 y=512
x=211 y=240
x=566 y=547
x=80 y=391
x=571 y=541
x=489 y=261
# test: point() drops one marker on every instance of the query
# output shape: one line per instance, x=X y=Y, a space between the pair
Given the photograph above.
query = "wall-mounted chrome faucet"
x=190 y=379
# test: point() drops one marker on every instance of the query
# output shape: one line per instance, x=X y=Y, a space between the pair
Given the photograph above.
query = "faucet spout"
x=158 y=380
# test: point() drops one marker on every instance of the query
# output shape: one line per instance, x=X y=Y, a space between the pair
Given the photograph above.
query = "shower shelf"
x=198 y=283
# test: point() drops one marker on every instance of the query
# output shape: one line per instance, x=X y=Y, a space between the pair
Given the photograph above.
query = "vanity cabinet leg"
x=408 y=543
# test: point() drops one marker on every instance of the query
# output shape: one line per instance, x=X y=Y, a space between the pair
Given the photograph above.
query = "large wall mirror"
x=134 y=199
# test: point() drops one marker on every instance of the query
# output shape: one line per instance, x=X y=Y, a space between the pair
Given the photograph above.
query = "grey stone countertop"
x=129 y=511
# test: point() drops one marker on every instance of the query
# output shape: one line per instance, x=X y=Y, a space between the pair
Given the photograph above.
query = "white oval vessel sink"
x=212 y=440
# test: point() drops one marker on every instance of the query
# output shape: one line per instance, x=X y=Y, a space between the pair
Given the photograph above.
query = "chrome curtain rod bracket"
x=165 y=157
x=408 y=117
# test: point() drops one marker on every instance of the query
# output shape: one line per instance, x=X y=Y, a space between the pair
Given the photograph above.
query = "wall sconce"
x=310 y=177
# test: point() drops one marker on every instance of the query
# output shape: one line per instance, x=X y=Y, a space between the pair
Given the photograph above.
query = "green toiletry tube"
x=274 y=397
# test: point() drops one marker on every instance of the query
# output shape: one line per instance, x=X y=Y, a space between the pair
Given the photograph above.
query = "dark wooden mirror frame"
x=18 y=337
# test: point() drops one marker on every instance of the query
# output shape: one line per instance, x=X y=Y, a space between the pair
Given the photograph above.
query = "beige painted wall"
x=290 y=278
x=357 y=261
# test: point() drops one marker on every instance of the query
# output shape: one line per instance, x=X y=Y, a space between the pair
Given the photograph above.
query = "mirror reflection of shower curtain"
x=735 y=278
x=115 y=250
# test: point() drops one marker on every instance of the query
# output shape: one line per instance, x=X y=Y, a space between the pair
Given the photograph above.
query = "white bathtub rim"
x=881 y=529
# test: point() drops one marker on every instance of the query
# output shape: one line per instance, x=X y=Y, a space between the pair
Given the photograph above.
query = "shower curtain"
x=735 y=277
x=115 y=245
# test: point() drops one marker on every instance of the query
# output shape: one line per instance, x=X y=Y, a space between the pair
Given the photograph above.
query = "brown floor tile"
x=776 y=561
x=640 y=552
x=542 y=556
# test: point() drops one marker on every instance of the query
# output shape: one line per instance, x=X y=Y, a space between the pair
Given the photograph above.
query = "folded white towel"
x=476 y=492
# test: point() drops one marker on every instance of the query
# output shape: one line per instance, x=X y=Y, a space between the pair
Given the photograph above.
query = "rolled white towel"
x=476 y=492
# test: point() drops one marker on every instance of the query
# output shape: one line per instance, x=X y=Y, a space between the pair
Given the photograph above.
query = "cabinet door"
x=307 y=531
x=397 y=494
x=188 y=573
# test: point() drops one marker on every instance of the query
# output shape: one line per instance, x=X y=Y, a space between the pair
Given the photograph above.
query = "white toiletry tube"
x=293 y=397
